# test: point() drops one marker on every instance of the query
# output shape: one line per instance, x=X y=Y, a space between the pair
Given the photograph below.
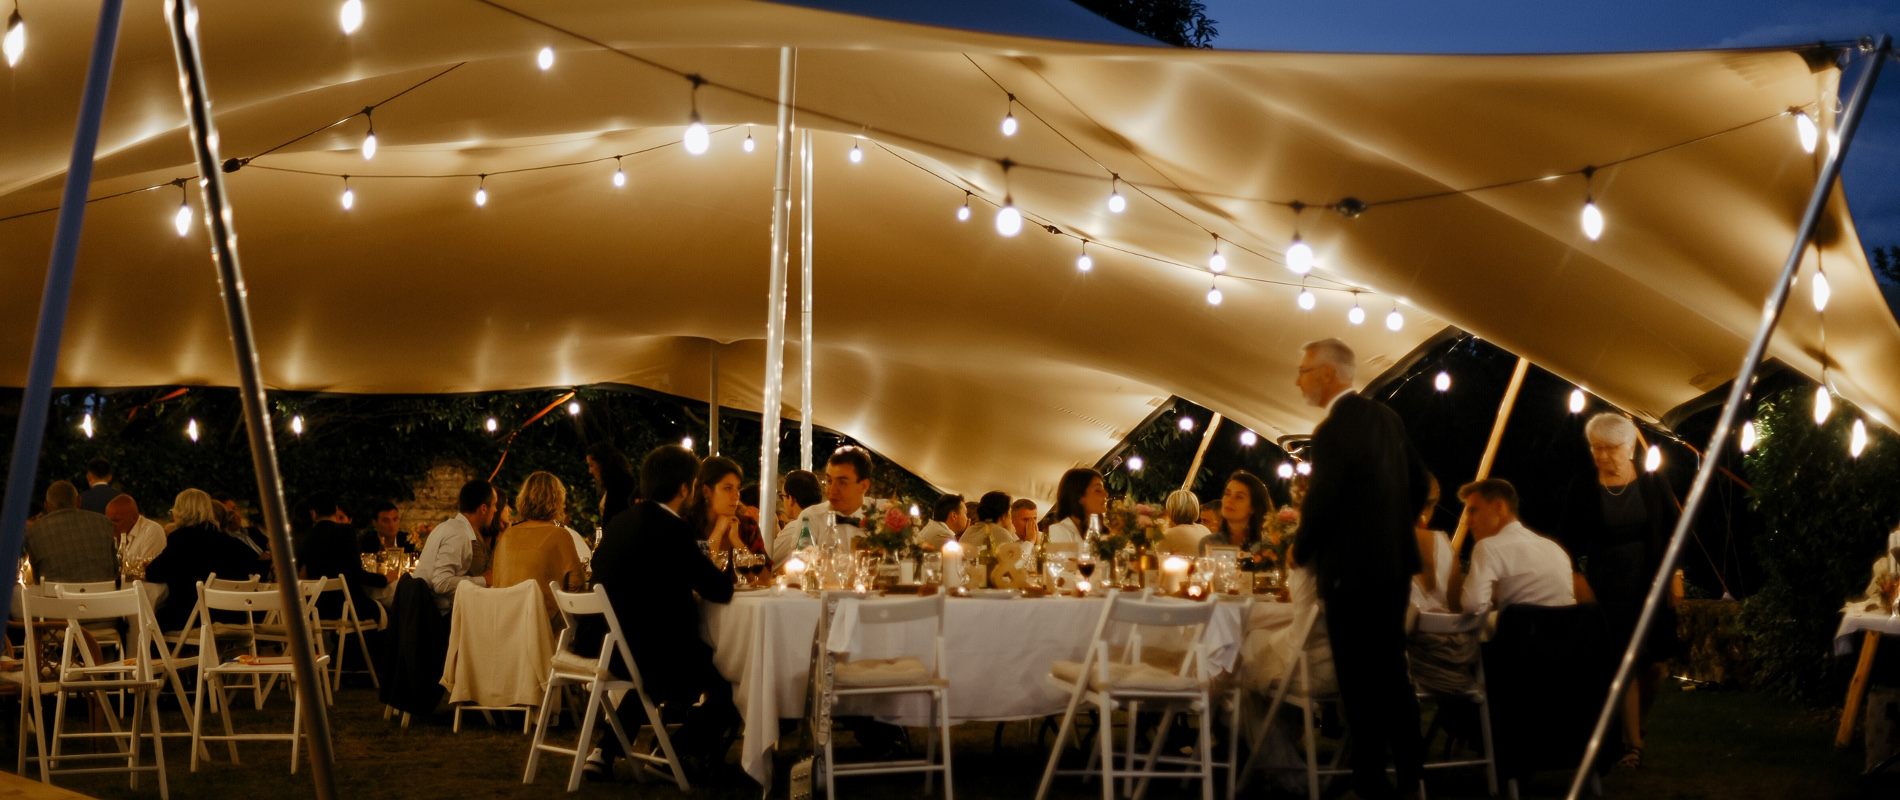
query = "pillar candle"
x=952 y=564
x=1173 y=572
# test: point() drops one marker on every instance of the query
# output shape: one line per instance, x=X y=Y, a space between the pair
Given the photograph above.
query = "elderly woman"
x=1244 y=508
x=1079 y=495
x=1617 y=526
x=1185 y=532
x=538 y=548
x=194 y=550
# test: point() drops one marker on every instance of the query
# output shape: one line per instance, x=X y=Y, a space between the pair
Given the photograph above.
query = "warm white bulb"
x=1213 y=297
x=15 y=42
x=1218 y=263
x=1652 y=461
x=749 y=145
x=1858 y=442
x=369 y=146
x=1299 y=257
x=1285 y=471
x=857 y=154
x=492 y=425
x=1823 y=405
x=1134 y=463
x=1394 y=320
x=351 y=16
x=687 y=442
x=1009 y=125
x=545 y=59
x=296 y=424
x=1009 y=221
x=574 y=409
x=1576 y=401
x=349 y=198
x=1592 y=220
x=1804 y=127
x=963 y=213
x=1304 y=468
x=191 y=429
x=86 y=425
x=620 y=178
x=1821 y=291
x=481 y=196
x=1249 y=438
x=1307 y=300
x=1442 y=382
x=1117 y=203
x=1748 y=436
x=1833 y=141
x=915 y=511
x=1356 y=316
x=697 y=138
x=1084 y=263
x=182 y=219
x=1186 y=424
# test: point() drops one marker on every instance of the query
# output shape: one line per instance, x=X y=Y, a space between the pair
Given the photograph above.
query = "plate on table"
x=993 y=594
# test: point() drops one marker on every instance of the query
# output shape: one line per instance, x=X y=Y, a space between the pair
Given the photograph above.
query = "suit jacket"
x=1368 y=485
x=193 y=553
x=650 y=562
x=334 y=553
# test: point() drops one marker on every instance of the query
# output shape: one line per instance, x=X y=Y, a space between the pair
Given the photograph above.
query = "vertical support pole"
x=1491 y=446
x=712 y=398
x=182 y=18
x=804 y=305
x=769 y=416
x=1207 y=438
x=1737 y=394
x=23 y=469
x=1857 y=689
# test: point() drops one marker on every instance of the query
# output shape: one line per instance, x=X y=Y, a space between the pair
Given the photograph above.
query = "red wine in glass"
x=1087 y=568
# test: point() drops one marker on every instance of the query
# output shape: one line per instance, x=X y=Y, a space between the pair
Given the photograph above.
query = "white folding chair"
x=273 y=630
x=82 y=671
x=213 y=669
x=595 y=675
x=902 y=675
x=464 y=616
x=1295 y=690
x=1109 y=682
x=347 y=623
x=107 y=633
x=1472 y=624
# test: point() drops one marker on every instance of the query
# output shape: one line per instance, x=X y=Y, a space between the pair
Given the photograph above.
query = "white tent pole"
x=1737 y=394
x=804 y=306
x=775 y=291
x=712 y=398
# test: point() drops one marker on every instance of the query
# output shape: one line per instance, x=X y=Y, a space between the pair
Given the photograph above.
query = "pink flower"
x=1144 y=521
x=1145 y=510
x=896 y=519
x=1289 y=515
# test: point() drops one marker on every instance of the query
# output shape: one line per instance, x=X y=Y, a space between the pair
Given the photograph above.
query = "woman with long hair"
x=539 y=547
x=1080 y=494
x=1245 y=506
x=713 y=510
x=613 y=475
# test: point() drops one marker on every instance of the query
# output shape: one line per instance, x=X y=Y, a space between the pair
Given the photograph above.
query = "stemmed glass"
x=1085 y=562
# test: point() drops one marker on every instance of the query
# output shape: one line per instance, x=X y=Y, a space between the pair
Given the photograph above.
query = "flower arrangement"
x=894 y=530
x=1127 y=523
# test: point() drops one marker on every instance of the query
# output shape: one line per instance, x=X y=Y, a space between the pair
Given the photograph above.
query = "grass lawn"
x=1726 y=745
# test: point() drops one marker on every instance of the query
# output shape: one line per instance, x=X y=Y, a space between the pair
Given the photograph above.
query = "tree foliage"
x=1182 y=23
x=1886 y=264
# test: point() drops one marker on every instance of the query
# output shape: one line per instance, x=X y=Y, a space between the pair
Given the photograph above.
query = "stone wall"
x=436 y=495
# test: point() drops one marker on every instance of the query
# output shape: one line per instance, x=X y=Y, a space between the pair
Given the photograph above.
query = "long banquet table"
x=997 y=653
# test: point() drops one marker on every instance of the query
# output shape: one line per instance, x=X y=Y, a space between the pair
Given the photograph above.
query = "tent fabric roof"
x=980 y=362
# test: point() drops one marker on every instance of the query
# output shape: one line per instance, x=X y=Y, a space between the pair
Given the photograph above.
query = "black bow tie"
x=855 y=522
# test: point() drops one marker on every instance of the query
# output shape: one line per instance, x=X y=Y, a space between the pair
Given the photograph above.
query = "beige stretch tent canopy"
x=979 y=361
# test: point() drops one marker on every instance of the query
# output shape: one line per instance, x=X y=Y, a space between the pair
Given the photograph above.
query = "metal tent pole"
x=1738 y=393
x=182 y=18
x=712 y=398
x=775 y=292
x=23 y=469
x=804 y=306
x=1491 y=445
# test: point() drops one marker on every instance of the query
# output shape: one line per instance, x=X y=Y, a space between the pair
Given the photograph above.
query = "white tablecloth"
x=996 y=656
x=1854 y=619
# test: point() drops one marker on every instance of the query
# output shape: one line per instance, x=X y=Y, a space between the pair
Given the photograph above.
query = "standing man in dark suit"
x=1356 y=536
x=650 y=562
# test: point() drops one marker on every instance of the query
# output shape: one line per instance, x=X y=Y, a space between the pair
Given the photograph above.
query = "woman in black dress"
x=1616 y=528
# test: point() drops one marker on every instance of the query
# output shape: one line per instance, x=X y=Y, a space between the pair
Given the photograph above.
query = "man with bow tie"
x=847 y=479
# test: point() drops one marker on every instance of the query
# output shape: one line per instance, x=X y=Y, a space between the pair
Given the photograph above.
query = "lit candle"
x=1082 y=587
x=952 y=564
x=1194 y=591
x=794 y=571
x=1173 y=572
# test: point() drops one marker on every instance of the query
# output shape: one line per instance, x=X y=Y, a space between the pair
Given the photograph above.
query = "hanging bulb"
x=687 y=442
x=1116 y=202
x=1304 y=468
x=1249 y=438
x=296 y=424
x=1748 y=436
x=1823 y=405
x=1442 y=382
x=1307 y=300
x=1804 y=128
x=1285 y=471
x=492 y=425
x=915 y=511
x=1186 y=424
x=1357 y=315
x=481 y=192
x=1821 y=291
x=182 y=220
x=1009 y=118
x=697 y=139
x=1009 y=221
x=1653 y=460
x=1394 y=321
x=963 y=213
x=1213 y=296
x=369 y=144
x=86 y=425
x=349 y=194
x=1134 y=463
x=1299 y=256
x=748 y=145
x=857 y=154
x=545 y=59
x=351 y=16
x=1858 y=441
x=1592 y=219
x=574 y=408
x=1576 y=401
x=191 y=429
x=620 y=178
x=1083 y=263
x=1218 y=263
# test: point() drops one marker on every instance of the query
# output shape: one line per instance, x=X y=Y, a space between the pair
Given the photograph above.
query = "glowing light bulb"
x=620 y=178
x=1858 y=441
x=1214 y=296
x=352 y=16
x=1303 y=468
x=1134 y=463
x=1821 y=291
x=1009 y=124
x=481 y=196
x=857 y=154
x=1748 y=436
x=1116 y=202
x=1576 y=401
x=697 y=138
x=963 y=211
x=915 y=511
x=687 y=442
x=1592 y=220
x=86 y=425
x=296 y=424
x=1442 y=382
x=369 y=145
x=748 y=145
x=1285 y=471
x=574 y=409
x=1084 y=263
x=349 y=197
x=1653 y=460
x=1299 y=257
x=1218 y=263
x=1823 y=405
x=1186 y=424
x=1357 y=315
x=1833 y=141
x=191 y=429
x=545 y=59
x=1804 y=128
x=1009 y=221
x=182 y=219
x=1249 y=438
x=1307 y=300
x=1394 y=320
x=492 y=425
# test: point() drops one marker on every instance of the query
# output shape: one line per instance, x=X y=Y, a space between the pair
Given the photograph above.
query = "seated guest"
x=1434 y=547
x=947 y=521
x=714 y=509
x=1509 y=563
x=99 y=489
x=385 y=531
x=613 y=475
x=992 y=511
x=1244 y=509
x=538 y=549
x=456 y=551
x=195 y=550
x=655 y=576
x=1184 y=534
x=250 y=535
x=800 y=490
x=136 y=536
x=334 y=553
x=68 y=544
x=1022 y=520
x=1079 y=495
x=1210 y=515
x=847 y=480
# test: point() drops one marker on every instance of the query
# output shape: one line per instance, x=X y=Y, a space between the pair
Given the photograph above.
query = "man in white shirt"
x=455 y=551
x=847 y=480
x=136 y=536
x=1509 y=564
x=948 y=520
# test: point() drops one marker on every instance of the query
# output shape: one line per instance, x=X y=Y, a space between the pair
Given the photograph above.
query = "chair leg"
x=296 y=731
x=1312 y=754
x=943 y=721
x=1490 y=754
x=132 y=756
x=224 y=713
x=59 y=724
x=1128 y=760
x=197 y=722
x=158 y=747
x=1152 y=765
x=1105 y=740
x=586 y=738
x=612 y=710
x=1207 y=764
x=540 y=735
x=666 y=743
x=336 y=669
x=930 y=745
x=370 y=664
x=831 y=761
x=1233 y=744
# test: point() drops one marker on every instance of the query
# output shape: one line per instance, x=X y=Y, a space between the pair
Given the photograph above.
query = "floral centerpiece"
x=892 y=531
x=1127 y=523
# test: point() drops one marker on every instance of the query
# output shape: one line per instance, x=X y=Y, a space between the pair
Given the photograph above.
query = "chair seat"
x=1140 y=677
x=906 y=671
x=567 y=662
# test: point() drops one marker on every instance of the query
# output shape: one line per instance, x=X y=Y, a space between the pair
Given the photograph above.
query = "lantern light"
x=1652 y=461
x=86 y=425
x=1821 y=291
x=1286 y=471
x=492 y=425
x=1134 y=463
x=1299 y=256
x=351 y=16
x=1356 y=315
x=545 y=59
x=1249 y=438
x=481 y=192
x=1394 y=321
x=687 y=442
x=1116 y=202
x=296 y=424
x=1083 y=263
x=1805 y=130
x=1576 y=401
x=574 y=408
x=857 y=154
x=182 y=219
x=1009 y=117
x=1214 y=296
x=1303 y=468
x=748 y=145
x=1307 y=300
x=349 y=195
x=1823 y=405
x=1748 y=436
x=1442 y=382
x=963 y=211
x=191 y=429
x=1186 y=423
x=1218 y=263
x=1009 y=221
x=1858 y=442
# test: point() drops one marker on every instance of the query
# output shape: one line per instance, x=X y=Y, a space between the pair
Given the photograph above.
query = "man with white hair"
x=1356 y=537
x=138 y=537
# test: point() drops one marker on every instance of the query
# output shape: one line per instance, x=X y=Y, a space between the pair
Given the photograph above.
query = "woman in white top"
x=1434 y=548
x=1079 y=494
x=1184 y=534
